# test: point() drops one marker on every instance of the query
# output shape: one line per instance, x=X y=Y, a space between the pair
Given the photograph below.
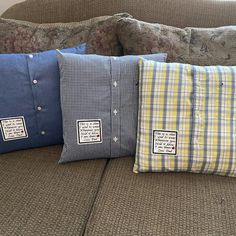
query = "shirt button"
x=115 y=112
x=115 y=139
x=39 y=108
x=115 y=84
x=43 y=132
x=35 y=81
x=31 y=56
x=115 y=58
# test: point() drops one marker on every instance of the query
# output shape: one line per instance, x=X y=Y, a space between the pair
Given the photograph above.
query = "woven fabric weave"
x=162 y=204
x=40 y=197
x=197 y=104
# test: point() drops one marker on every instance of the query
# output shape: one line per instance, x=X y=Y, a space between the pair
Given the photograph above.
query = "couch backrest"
x=181 y=13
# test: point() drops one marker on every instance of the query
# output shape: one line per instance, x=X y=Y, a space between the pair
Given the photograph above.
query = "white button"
x=31 y=56
x=35 y=81
x=115 y=84
x=43 y=132
x=39 y=108
x=115 y=112
x=115 y=58
x=115 y=139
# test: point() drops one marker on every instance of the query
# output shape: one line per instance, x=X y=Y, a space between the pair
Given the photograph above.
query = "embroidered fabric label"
x=13 y=128
x=165 y=142
x=89 y=131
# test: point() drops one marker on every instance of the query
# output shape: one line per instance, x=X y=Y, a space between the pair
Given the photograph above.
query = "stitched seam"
x=95 y=198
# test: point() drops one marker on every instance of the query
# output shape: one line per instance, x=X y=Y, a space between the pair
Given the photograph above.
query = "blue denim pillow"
x=30 y=112
x=99 y=99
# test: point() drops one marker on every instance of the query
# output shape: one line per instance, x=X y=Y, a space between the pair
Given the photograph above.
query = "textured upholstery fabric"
x=103 y=40
x=26 y=37
x=98 y=33
x=162 y=204
x=181 y=13
x=30 y=109
x=40 y=197
x=186 y=118
x=197 y=46
x=99 y=100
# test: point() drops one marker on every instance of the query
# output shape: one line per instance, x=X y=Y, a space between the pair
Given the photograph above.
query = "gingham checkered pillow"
x=186 y=119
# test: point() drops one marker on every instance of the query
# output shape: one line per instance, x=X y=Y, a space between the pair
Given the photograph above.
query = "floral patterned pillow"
x=199 y=46
x=103 y=39
x=26 y=37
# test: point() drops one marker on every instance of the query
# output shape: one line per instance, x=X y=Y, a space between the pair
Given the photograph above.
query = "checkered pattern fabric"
x=100 y=94
x=186 y=119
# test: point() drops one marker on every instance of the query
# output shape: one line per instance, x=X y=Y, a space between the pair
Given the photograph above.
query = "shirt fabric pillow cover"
x=99 y=99
x=30 y=112
x=186 y=119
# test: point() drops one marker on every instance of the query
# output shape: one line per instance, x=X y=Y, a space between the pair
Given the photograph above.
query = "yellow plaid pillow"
x=186 y=119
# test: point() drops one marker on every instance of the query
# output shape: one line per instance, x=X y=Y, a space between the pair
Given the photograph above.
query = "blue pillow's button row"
x=35 y=82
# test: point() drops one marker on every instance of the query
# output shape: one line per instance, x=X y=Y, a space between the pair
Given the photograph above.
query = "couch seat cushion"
x=40 y=197
x=162 y=204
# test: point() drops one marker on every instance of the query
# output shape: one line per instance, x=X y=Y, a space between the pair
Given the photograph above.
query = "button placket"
x=35 y=86
x=197 y=105
x=115 y=107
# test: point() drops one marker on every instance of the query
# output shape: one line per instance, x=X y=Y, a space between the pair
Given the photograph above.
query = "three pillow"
x=99 y=99
x=186 y=119
x=186 y=113
x=30 y=112
x=198 y=46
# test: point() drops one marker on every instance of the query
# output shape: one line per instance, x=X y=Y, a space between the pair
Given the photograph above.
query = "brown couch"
x=104 y=197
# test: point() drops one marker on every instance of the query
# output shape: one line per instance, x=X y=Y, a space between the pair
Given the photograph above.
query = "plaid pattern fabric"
x=195 y=104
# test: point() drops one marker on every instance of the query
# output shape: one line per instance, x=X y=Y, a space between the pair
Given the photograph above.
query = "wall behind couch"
x=4 y=4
